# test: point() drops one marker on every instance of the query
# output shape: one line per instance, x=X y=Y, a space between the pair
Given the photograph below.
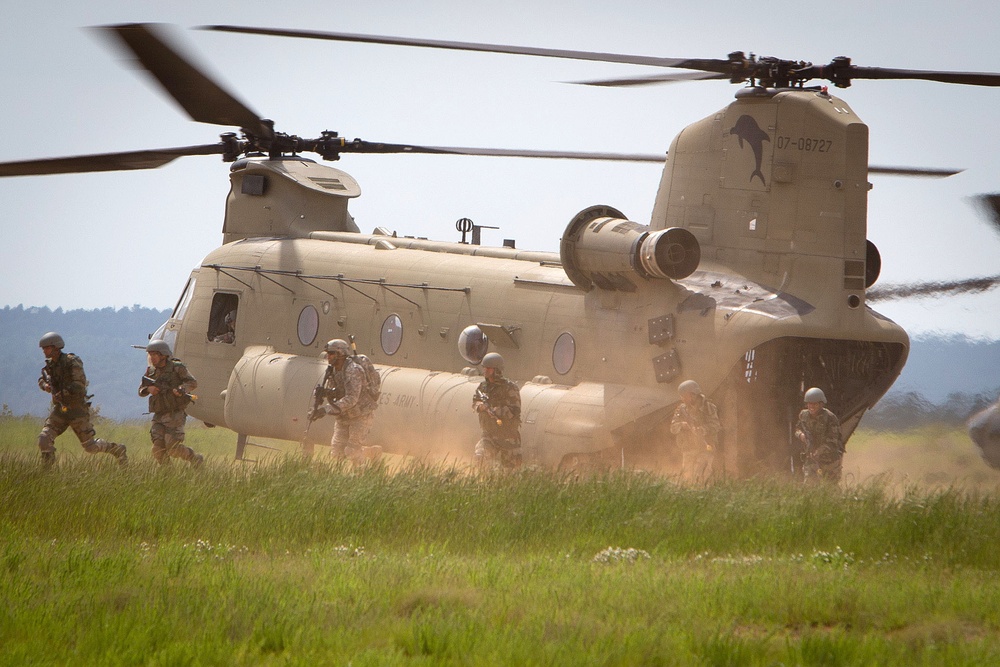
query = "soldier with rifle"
x=63 y=377
x=696 y=425
x=819 y=432
x=168 y=384
x=349 y=391
x=498 y=403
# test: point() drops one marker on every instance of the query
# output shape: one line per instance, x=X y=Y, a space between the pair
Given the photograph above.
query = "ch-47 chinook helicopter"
x=752 y=277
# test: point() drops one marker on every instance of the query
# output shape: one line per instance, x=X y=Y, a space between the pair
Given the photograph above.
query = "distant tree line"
x=900 y=411
x=105 y=338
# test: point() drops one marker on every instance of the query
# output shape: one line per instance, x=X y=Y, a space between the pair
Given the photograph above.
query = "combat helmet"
x=688 y=387
x=339 y=346
x=493 y=360
x=52 y=338
x=815 y=395
x=159 y=346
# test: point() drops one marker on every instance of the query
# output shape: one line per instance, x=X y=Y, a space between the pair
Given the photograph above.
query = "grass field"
x=294 y=563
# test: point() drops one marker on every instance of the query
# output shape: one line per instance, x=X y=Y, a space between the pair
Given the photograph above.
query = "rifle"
x=319 y=394
x=484 y=399
x=807 y=444
x=153 y=382
x=698 y=430
x=56 y=395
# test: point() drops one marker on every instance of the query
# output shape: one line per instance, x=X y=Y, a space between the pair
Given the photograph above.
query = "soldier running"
x=168 y=384
x=696 y=425
x=63 y=377
x=351 y=400
x=498 y=402
x=819 y=431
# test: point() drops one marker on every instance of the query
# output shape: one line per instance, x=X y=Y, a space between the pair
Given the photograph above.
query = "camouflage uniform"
x=824 y=452
x=354 y=408
x=697 y=431
x=500 y=441
x=70 y=409
x=229 y=335
x=168 y=409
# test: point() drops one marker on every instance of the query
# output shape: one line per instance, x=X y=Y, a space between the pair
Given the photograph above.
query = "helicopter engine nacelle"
x=601 y=248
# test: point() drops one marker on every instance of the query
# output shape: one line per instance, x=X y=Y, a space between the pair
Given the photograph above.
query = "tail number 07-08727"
x=804 y=144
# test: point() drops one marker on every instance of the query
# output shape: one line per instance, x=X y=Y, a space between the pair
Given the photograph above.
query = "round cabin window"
x=392 y=334
x=308 y=325
x=472 y=344
x=564 y=353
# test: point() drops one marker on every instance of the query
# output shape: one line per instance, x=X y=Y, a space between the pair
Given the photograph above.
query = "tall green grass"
x=314 y=563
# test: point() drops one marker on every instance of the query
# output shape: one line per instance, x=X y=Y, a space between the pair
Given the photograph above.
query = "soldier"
x=819 y=431
x=168 y=384
x=696 y=425
x=351 y=399
x=63 y=377
x=498 y=402
x=229 y=335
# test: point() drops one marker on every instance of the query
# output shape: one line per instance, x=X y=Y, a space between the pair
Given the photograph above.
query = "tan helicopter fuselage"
x=750 y=279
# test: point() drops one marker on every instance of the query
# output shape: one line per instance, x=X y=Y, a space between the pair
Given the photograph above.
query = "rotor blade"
x=967 y=78
x=129 y=160
x=653 y=79
x=359 y=146
x=919 y=172
x=201 y=97
x=724 y=69
x=935 y=289
x=474 y=46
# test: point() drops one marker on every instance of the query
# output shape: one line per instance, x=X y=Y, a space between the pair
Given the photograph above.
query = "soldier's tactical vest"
x=498 y=396
x=167 y=379
x=823 y=430
x=73 y=394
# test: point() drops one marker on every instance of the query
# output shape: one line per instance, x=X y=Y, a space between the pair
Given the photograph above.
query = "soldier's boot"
x=48 y=459
x=120 y=452
x=198 y=460
x=372 y=453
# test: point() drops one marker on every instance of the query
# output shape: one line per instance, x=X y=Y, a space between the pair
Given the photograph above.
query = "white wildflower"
x=617 y=555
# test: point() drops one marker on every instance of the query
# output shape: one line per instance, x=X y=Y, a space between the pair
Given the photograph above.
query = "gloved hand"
x=333 y=409
x=316 y=413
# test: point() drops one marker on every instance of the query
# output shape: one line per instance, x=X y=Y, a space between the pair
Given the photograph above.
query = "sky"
x=125 y=238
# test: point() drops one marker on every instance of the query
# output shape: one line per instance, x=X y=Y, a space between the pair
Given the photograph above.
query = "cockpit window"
x=182 y=304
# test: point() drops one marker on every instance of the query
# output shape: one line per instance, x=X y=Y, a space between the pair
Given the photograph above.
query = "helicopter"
x=752 y=276
x=984 y=430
